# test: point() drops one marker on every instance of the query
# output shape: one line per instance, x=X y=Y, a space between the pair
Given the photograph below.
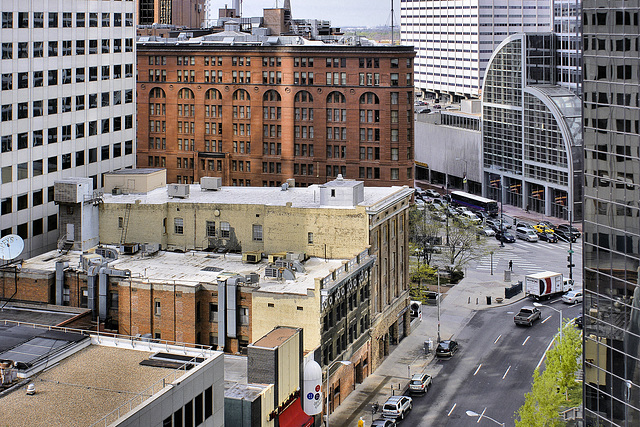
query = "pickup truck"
x=526 y=316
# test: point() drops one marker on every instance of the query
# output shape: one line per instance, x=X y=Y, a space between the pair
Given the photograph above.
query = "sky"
x=341 y=13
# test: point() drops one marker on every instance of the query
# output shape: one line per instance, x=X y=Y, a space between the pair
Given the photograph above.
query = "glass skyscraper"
x=611 y=117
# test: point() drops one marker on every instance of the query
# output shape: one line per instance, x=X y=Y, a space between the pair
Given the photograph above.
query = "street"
x=494 y=366
x=492 y=370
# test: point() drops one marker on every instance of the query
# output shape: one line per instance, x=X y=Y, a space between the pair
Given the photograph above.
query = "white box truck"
x=546 y=284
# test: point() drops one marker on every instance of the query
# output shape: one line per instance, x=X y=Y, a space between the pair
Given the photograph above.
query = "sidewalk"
x=408 y=358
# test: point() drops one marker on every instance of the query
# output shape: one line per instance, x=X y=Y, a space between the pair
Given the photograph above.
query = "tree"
x=424 y=233
x=541 y=404
x=550 y=390
x=462 y=245
x=563 y=359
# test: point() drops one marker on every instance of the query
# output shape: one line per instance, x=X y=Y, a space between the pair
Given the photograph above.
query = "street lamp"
x=481 y=416
x=537 y=304
x=570 y=257
x=345 y=363
x=438 y=300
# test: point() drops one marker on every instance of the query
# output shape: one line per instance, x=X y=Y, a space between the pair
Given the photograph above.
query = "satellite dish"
x=11 y=247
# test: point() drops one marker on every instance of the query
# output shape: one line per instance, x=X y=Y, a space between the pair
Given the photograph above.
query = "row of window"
x=64 y=133
x=242 y=61
x=37 y=227
x=63 y=162
x=82 y=19
x=65 y=48
x=274 y=77
x=64 y=105
x=22 y=201
x=65 y=76
x=272 y=95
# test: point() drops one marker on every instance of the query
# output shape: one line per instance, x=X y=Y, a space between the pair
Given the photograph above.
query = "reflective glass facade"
x=612 y=219
x=532 y=139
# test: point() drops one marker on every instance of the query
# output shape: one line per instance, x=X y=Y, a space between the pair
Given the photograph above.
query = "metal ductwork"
x=60 y=267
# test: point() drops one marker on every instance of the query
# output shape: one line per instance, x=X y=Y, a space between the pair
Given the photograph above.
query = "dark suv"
x=566 y=229
x=446 y=348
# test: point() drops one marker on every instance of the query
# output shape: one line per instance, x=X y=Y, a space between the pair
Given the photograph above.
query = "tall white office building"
x=67 y=105
x=455 y=39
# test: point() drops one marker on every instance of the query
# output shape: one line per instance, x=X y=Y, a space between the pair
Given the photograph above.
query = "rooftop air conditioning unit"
x=251 y=257
x=130 y=248
x=116 y=191
x=180 y=191
x=210 y=183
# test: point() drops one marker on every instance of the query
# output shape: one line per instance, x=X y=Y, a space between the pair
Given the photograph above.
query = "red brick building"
x=257 y=112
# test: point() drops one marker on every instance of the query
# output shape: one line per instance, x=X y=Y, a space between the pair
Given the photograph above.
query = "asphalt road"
x=491 y=372
x=531 y=257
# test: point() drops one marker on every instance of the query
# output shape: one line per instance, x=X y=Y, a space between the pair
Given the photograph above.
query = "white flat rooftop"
x=299 y=197
x=193 y=268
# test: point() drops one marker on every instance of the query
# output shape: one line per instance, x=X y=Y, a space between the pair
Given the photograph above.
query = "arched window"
x=157 y=102
x=185 y=93
x=271 y=95
x=303 y=96
x=369 y=98
x=241 y=95
x=212 y=94
x=336 y=98
x=157 y=92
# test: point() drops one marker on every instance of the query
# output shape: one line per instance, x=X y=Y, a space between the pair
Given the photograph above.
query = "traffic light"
x=569 y=260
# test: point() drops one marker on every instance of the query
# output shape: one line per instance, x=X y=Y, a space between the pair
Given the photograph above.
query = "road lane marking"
x=526 y=339
x=546 y=319
x=452 y=408
x=474 y=374
x=506 y=372
x=497 y=338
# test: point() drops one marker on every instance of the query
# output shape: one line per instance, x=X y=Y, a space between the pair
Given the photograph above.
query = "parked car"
x=450 y=211
x=505 y=236
x=566 y=228
x=397 y=407
x=481 y=214
x=471 y=217
x=548 y=237
x=527 y=234
x=523 y=224
x=420 y=383
x=573 y=297
x=527 y=315
x=447 y=348
x=431 y=193
x=420 y=192
x=494 y=224
x=483 y=230
x=383 y=422
x=438 y=216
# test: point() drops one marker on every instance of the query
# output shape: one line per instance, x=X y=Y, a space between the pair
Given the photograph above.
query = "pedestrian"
x=527 y=208
x=510 y=265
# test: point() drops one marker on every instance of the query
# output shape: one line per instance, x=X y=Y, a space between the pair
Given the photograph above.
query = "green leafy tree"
x=564 y=359
x=541 y=404
x=550 y=390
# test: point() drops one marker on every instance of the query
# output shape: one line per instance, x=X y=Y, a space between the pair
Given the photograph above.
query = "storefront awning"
x=294 y=416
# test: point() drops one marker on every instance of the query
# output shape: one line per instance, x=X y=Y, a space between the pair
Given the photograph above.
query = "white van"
x=527 y=234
